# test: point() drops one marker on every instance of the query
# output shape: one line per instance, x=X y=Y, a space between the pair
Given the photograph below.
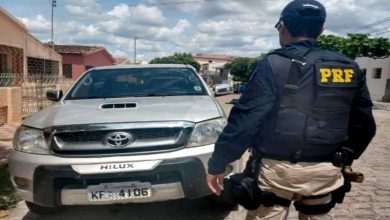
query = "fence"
x=34 y=88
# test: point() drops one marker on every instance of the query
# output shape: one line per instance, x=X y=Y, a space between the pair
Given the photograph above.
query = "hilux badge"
x=118 y=139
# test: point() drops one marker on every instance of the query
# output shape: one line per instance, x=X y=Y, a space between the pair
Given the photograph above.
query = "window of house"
x=67 y=70
x=377 y=73
x=364 y=71
x=3 y=63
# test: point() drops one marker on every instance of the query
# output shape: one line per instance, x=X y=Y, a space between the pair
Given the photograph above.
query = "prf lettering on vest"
x=336 y=75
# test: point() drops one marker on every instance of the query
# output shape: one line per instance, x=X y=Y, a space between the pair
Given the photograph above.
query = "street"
x=369 y=200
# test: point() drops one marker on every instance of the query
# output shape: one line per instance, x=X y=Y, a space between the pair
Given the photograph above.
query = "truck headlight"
x=206 y=132
x=30 y=140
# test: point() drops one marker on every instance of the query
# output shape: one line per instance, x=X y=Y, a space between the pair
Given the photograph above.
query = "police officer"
x=302 y=106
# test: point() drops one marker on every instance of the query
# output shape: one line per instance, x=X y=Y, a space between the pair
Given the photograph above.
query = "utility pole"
x=135 y=50
x=53 y=4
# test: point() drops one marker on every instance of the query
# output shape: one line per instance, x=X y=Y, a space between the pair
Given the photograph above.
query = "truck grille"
x=139 y=134
x=148 y=137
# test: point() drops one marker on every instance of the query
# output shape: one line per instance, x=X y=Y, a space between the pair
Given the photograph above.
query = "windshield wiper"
x=189 y=93
x=168 y=94
x=153 y=94
x=87 y=97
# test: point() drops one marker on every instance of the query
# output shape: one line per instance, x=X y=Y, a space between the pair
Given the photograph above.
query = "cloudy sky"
x=232 y=27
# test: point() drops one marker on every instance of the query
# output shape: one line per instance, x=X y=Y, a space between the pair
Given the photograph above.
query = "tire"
x=42 y=210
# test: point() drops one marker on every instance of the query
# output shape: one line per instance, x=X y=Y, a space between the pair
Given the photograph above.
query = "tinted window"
x=115 y=83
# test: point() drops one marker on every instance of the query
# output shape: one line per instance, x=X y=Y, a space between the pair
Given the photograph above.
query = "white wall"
x=215 y=62
x=376 y=86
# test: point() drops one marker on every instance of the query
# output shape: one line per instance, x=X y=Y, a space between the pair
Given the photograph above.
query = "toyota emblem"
x=118 y=139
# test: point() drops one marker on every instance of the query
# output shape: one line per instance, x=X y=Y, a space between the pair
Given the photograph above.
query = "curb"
x=382 y=106
x=4 y=152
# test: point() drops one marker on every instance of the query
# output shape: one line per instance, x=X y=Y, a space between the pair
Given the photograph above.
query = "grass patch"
x=8 y=196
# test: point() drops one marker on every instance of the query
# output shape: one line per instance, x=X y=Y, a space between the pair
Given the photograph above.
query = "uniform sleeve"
x=362 y=126
x=244 y=119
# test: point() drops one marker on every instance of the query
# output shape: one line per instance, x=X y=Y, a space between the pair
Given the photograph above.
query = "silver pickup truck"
x=121 y=134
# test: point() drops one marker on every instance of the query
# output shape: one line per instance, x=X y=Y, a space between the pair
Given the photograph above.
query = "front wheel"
x=42 y=210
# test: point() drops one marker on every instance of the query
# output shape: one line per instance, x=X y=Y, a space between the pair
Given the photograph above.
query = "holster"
x=339 y=194
x=243 y=189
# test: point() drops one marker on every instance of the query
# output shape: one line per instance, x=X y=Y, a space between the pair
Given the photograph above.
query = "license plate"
x=119 y=191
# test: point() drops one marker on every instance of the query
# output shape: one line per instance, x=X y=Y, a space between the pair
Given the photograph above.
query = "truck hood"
x=169 y=108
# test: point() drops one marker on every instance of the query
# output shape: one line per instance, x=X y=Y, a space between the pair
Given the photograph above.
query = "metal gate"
x=34 y=88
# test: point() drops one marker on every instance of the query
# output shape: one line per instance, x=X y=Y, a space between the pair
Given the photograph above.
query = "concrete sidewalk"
x=382 y=106
x=6 y=136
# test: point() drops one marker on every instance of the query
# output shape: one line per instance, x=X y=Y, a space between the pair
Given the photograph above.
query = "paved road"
x=369 y=200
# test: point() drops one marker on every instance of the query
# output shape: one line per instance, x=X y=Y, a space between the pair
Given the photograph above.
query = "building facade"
x=212 y=67
x=21 y=53
x=78 y=58
x=377 y=73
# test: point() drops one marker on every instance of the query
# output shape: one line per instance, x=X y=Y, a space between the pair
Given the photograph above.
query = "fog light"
x=21 y=182
x=228 y=170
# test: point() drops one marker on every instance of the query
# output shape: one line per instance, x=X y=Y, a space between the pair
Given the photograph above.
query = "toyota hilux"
x=121 y=134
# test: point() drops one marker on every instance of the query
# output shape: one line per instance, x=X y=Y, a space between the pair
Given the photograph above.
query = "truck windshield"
x=130 y=82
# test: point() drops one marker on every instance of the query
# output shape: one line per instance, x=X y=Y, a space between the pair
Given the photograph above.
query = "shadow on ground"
x=173 y=210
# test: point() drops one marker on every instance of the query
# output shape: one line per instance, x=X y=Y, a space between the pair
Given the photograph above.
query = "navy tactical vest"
x=315 y=90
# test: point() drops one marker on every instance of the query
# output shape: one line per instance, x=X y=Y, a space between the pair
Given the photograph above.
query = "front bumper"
x=54 y=181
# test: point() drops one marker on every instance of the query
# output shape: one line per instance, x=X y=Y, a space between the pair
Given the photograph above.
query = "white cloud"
x=84 y=9
x=174 y=33
x=119 y=53
x=130 y=22
x=236 y=27
x=150 y=16
x=184 y=7
x=37 y=24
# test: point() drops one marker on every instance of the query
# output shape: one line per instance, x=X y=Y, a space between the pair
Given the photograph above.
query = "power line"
x=380 y=33
x=371 y=24
x=165 y=3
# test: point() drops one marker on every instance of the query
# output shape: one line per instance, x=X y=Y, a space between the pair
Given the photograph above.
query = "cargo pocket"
x=290 y=125
x=330 y=132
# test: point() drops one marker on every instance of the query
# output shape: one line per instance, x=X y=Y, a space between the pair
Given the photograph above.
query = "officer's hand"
x=214 y=182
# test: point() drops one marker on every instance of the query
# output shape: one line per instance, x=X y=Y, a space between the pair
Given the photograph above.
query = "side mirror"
x=54 y=95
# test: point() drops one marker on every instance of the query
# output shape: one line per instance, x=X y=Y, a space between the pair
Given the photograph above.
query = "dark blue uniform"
x=254 y=120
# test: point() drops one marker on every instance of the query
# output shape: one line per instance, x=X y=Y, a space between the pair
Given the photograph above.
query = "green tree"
x=177 y=58
x=241 y=67
x=357 y=45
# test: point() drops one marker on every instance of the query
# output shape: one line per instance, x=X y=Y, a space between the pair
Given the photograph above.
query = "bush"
x=8 y=196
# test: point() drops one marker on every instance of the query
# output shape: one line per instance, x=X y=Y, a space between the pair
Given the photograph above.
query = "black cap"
x=299 y=14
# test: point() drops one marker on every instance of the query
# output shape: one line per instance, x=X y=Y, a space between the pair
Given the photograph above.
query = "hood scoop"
x=118 y=105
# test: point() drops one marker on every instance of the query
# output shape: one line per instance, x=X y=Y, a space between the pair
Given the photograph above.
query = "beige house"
x=377 y=73
x=21 y=53
x=212 y=67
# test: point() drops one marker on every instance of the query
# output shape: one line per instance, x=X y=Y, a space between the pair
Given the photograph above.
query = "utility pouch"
x=243 y=189
x=339 y=194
